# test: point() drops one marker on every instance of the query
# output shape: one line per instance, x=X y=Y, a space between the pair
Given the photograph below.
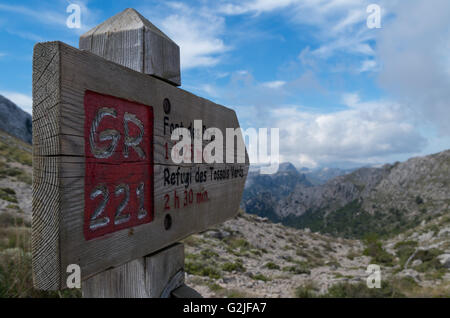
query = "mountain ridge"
x=382 y=200
x=15 y=121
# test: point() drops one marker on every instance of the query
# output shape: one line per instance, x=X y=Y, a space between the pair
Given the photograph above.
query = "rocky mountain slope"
x=252 y=257
x=384 y=200
x=14 y=120
x=263 y=193
x=322 y=175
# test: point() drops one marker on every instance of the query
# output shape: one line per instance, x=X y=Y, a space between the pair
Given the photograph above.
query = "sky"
x=341 y=93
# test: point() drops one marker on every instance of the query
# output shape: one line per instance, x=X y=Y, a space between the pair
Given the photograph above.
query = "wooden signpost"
x=107 y=194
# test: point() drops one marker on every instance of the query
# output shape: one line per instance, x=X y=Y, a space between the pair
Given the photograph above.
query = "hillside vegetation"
x=252 y=257
x=15 y=221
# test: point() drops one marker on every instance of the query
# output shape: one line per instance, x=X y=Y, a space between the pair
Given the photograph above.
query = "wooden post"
x=131 y=40
x=153 y=276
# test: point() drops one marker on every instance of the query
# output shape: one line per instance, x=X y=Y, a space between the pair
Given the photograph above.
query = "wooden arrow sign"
x=106 y=189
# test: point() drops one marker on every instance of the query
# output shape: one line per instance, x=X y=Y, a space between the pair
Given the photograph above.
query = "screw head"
x=167 y=106
x=167 y=222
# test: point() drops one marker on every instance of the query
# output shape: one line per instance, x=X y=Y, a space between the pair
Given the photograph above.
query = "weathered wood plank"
x=64 y=140
x=46 y=199
x=165 y=271
x=145 y=277
x=125 y=281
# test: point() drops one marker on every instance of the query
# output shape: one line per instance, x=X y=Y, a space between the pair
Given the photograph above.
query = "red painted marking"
x=117 y=169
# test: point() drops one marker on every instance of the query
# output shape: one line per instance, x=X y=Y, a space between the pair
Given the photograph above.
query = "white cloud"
x=305 y=57
x=51 y=17
x=352 y=43
x=351 y=100
x=366 y=131
x=209 y=89
x=242 y=72
x=413 y=49
x=274 y=84
x=339 y=25
x=368 y=66
x=23 y=101
x=353 y=17
x=222 y=74
x=198 y=33
x=255 y=6
x=26 y=35
x=43 y=16
x=200 y=29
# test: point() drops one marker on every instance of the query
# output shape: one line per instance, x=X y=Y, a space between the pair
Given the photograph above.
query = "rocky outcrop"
x=250 y=256
x=333 y=195
x=385 y=200
x=15 y=121
x=263 y=193
x=320 y=176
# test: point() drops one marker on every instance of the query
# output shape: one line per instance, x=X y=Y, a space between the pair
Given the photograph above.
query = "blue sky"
x=342 y=94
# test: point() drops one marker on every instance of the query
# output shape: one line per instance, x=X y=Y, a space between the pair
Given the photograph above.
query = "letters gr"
x=114 y=135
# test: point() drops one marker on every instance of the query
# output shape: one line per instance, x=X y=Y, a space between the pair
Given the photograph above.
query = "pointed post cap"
x=131 y=40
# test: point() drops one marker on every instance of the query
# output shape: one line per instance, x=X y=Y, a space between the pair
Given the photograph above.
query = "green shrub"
x=298 y=269
x=428 y=255
x=405 y=283
x=256 y=252
x=306 y=291
x=14 y=207
x=234 y=293
x=193 y=240
x=15 y=269
x=25 y=178
x=13 y=152
x=215 y=287
x=360 y=290
x=429 y=260
x=199 y=269
x=9 y=220
x=260 y=277
x=238 y=243
x=236 y=266
x=301 y=253
x=375 y=250
x=404 y=250
x=419 y=200
x=352 y=254
x=14 y=237
x=271 y=265
x=437 y=273
x=8 y=194
x=14 y=172
x=203 y=264
x=209 y=253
